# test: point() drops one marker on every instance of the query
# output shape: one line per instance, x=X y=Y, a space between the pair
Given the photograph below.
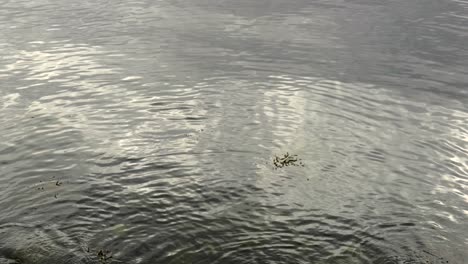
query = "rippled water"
x=148 y=128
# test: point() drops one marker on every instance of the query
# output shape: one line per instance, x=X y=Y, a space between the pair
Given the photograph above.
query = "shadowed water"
x=148 y=128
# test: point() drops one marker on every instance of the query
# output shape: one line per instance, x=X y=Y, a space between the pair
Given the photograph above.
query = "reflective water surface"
x=148 y=128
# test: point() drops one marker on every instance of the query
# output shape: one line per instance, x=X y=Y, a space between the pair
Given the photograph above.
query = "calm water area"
x=149 y=129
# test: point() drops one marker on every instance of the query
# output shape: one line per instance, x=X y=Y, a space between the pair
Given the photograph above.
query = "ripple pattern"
x=148 y=128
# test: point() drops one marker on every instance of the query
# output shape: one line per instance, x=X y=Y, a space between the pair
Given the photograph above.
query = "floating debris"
x=287 y=160
x=104 y=256
x=58 y=183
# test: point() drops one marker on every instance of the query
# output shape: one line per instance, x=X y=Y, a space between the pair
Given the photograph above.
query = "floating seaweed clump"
x=287 y=160
x=104 y=256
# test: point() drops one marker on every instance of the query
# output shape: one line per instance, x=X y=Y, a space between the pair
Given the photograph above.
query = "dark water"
x=148 y=128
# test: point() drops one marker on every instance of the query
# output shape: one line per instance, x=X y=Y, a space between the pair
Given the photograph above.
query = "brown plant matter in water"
x=287 y=160
x=104 y=256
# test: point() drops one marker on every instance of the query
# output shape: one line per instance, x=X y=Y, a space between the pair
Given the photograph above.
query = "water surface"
x=148 y=128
